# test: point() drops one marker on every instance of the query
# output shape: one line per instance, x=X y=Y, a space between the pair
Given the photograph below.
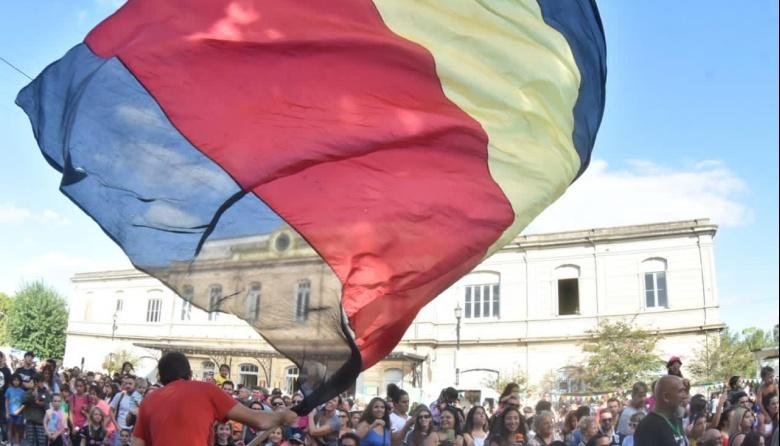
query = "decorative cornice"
x=596 y=235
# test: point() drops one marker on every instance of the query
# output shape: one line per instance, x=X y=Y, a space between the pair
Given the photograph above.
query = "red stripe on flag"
x=340 y=126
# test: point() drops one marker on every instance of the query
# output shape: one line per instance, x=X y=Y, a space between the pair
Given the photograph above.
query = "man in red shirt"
x=183 y=411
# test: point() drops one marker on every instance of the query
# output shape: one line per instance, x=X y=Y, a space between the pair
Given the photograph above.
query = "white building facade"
x=524 y=311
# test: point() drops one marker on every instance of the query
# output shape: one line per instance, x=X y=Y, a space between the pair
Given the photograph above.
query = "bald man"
x=710 y=437
x=663 y=427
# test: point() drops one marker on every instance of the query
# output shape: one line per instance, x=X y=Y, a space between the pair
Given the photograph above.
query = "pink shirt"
x=76 y=404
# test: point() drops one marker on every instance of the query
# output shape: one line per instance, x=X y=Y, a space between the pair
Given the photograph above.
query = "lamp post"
x=458 y=314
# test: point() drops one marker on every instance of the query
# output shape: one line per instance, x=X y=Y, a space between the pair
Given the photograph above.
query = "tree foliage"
x=618 y=356
x=729 y=354
x=5 y=308
x=113 y=361
x=37 y=321
x=506 y=377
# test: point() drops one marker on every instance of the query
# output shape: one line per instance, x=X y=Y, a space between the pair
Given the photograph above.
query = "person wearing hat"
x=673 y=366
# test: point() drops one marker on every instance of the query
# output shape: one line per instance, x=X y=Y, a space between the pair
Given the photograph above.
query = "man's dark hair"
x=30 y=353
x=611 y=399
x=449 y=394
x=542 y=406
x=582 y=411
x=736 y=396
x=228 y=382
x=639 y=388
x=352 y=436
x=594 y=440
x=173 y=366
x=766 y=371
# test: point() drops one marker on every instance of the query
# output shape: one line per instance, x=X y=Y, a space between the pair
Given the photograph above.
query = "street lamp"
x=458 y=314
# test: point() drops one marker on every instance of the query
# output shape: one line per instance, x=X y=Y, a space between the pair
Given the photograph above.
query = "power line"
x=19 y=70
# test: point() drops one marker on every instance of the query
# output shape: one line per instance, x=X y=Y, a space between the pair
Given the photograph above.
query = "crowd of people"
x=45 y=406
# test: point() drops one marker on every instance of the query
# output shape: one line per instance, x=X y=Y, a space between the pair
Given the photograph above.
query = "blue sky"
x=690 y=130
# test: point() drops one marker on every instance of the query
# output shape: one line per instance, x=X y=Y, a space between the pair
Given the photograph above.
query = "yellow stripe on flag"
x=500 y=63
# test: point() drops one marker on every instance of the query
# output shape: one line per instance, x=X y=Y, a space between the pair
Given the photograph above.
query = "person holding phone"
x=449 y=430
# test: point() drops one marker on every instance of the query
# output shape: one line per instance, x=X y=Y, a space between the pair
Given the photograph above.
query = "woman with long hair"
x=449 y=433
x=374 y=425
x=697 y=426
x=569 y=426
x=475 y=430
x=509 y=429
x=94 y=433
x=740 y=423
x=423 y=426
x=400 y=422
x=768 y=424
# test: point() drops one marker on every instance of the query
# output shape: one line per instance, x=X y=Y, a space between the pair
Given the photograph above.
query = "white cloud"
x=55 y=268
x=646 y=192
x=12 y=214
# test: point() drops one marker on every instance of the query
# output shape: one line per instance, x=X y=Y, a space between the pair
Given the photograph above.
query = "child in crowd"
x=54 y=422
x=13 y=407
x=94 y=433
x=125 y=437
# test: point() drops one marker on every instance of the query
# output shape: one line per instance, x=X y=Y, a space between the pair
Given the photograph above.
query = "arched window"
x=482 y=295
x=208 y=369
x=302 y=297
x=394 y=376
x=247 y=375
x=290 y=378
x=568 y=281
x=215 y=299
x=187 y=294
x=654 y=279
x=154 y=306
x=252 y=303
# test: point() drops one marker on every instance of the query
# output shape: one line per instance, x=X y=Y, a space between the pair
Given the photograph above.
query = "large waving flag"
x=323 y=168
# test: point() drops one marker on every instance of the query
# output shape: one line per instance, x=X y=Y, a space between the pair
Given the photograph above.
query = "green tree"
x=5 y=308
x=728 y=354
x=618 y=356
x=113 y=361
x=515 y=375
x=37 y=321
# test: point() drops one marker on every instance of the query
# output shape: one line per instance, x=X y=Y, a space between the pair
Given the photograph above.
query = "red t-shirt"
x=182 y=412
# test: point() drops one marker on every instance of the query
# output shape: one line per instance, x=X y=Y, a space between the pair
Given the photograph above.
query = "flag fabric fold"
x=321 y=169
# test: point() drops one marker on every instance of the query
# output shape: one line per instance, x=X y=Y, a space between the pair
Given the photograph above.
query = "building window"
x=153 y=309
x=208 y=370
x=654 y=271
x=568 y=297
x=119 y=303
x=568 y=281
x=394 y=376
x=290 y=379
x=215 y=299
x=482 y=301
x=186 y=302
x=302 y=296
x=252 y=304
x=247 y=375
